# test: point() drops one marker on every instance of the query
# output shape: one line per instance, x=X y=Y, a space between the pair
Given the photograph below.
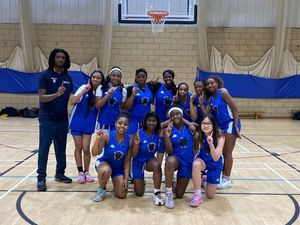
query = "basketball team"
x=195 y=132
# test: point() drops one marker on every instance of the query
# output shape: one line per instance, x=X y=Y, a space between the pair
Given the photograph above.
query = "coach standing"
x=55 y=86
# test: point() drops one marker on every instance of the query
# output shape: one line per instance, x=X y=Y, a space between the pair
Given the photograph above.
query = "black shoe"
x=41 y=185
x=63 y=179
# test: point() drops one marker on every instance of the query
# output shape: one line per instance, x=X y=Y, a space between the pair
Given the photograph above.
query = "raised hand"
x=100 y=133
x=192 y=98
x=110 y=91
x=210 y=139
x=169 y=129
x=201 y=98
x=87 y=87
x=175 y=97
x=136 y=138
x=135 y=91
x=61 y=90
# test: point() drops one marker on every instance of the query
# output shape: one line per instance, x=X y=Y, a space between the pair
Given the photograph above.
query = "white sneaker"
x=99 y=195
x=169 y=200
x=158 y=200
x=225 y=183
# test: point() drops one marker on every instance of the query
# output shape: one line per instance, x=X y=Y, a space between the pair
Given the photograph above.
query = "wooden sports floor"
x=266 y=177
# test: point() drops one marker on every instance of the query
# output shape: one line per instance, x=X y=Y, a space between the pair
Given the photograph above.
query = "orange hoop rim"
x=157 y=15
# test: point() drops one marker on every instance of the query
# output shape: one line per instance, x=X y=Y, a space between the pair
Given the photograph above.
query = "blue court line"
x=150 y=178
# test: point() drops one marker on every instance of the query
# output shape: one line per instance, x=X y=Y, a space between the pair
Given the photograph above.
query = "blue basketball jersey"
x=220 y=110
x=205 y=155
x=114 y=153
x=111 y=109
x=163 y=101
x=185 y=106
x=141 y=104
x=199 y=111
x=149 y=145
x=182 y=143
x=83 y=119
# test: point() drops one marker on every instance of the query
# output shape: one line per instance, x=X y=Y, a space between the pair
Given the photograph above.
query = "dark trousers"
x=56 y=132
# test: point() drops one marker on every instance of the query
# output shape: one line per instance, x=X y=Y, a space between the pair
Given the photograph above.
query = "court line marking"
x=16 y=185
x=150 y=178
x=243 y=147
x=278 y=174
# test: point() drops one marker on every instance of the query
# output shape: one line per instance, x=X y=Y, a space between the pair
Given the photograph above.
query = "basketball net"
x=158 y=18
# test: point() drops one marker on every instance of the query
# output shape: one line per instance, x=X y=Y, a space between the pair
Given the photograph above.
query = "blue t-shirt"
x=57 y=109
x=199 y=111
x=83 y=118
x=141 y=104
x=205 y=155
x=185 y=106
x=149 y=145
x=182 y=143
x=220 y=110
x=111 y=109
x=114 y=152
x=163 y=101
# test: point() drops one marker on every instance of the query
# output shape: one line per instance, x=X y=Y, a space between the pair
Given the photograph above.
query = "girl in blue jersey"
x=146 y=143
x=183 y=100
x=222 y=107
x=139 y=100
x=179 y=147
x=164 y=93
x=209 y=158
x=82 y=123
x=112 y=100
x=115 y=159
x=198 y=108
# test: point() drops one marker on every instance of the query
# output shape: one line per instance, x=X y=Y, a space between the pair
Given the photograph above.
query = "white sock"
x=198 y=191
x=169 y=190
x=226 y=178
x=156 y=190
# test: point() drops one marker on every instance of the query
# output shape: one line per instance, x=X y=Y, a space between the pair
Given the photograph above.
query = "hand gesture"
x=100 y=133
x=175 y=97
x=87 y=87
x=201 y=98
x=168 y=129
x=61 y=90
x=134 y=91
x=136 y=138
x=192 y=98
x=125 y=185
x=210 y=139
x=110 y=91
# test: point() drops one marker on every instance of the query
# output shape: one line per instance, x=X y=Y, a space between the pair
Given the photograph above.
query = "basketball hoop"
x=158 y=18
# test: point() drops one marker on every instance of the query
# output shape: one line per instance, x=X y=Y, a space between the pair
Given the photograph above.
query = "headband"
x=117 y=69
x=175 y=108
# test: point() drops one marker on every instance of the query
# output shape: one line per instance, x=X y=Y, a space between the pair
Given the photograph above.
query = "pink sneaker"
x=81 y=178
x=88 y=177
x=196 y=201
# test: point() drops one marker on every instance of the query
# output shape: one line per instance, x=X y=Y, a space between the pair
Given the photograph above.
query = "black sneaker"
x=63 y=179
x=41 y=185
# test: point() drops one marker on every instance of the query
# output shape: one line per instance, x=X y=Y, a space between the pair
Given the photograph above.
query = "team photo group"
x=164 y=128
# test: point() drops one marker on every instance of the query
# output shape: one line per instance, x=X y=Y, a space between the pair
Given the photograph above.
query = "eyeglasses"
x=206 y=124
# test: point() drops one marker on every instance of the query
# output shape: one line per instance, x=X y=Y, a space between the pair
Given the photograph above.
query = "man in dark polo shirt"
x=55 y=86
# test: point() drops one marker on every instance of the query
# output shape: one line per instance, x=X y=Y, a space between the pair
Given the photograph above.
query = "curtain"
x=203 y=62
x=107 y=36
x=26 y=34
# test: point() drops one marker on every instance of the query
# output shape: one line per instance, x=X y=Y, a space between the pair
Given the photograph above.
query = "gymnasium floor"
x=266 y=178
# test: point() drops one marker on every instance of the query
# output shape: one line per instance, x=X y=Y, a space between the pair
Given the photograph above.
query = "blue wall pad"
x=12 y=81
x=250 y=86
